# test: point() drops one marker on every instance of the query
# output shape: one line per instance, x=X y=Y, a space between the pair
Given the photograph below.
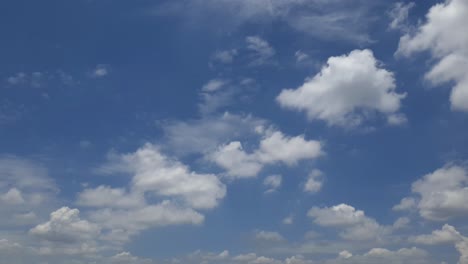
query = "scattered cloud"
x=346 y=92
x=354 y=223
x=440 y=195
x=274 y=147
x=439 y=34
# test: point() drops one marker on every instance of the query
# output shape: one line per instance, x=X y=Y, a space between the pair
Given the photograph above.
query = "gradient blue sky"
x=243 y=132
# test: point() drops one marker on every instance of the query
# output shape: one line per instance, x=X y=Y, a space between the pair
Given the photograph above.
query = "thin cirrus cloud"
x=325 y=20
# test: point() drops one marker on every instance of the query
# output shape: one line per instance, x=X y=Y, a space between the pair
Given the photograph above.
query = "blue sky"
x=238 y=132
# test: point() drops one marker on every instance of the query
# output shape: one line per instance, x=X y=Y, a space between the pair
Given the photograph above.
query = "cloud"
x=274 y=147
x=127 y=258
x=346 y=92
x=301 y=56
x=100 y=71
x=162 y=191
x=162 y=176
x=213 y=85
x=314 y=182
x=217 y=94
x=405 y=204
x=261 y=51
x=272 y=183
x=355 y=224
x=288 y=220
x=26 y=191
x=224 y=56
x=326 y=20
x=447 y=235
x=268 y=236
x=235 y=161
x=206 y=134
x=65 y=226
x=440 y=195
x=121 y=223
x=399 y=16
x=104 y=196
x=440 y=34
x=67 y=233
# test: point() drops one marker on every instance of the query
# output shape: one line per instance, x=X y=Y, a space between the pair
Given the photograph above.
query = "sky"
x=233 y=132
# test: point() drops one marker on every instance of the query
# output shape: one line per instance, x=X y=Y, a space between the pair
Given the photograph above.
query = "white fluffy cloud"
x=66 y=233
x=274 y=147
x=346 y=91
x=441 y=195
x=162 y=191
x=447 y=235
x=26 y=191
x=165 y=177
x=124 y=223
x=354 y=223
x=441 y=34
x=104 y=196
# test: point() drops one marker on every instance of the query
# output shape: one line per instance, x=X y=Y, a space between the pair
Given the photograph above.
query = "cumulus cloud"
x=405 y=204
x=440 y=34
x=26 y=191
x=124 y=223
x=447 y=235
x=347 y=91
x=67 y=233
x=162 y=176
x=274 y=147
x=104 y=196
x=354 y=223
x=440 y=195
